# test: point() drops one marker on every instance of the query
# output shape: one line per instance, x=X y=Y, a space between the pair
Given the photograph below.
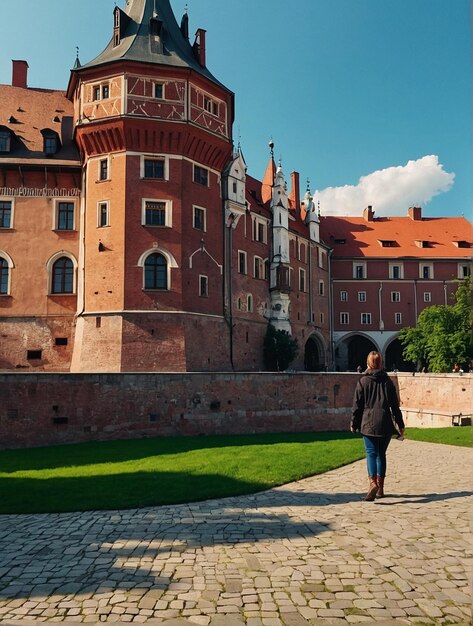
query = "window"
x=362 y=296
x=156 y=213
x=259 y=267
x=395 y=271
x=302 y=252
x=359 y=270
x=427 y=296
x=201 y=175
x=63 y=276
x=154 y=168
x=103 y=214
x=105 y=92
x=259 y=230
x=241 y=262
x=426 y=271
x=398 y=318
x=5 y=139
x=156 y=272
x=395 y=296
x=4 y=276
x=301 y=279
x=103 y=169
x=344 y=318
x=210 y=105
x=96 y=92
x=50 y=144
x=322 y=258
x=65 y=216
x=344 y=296
x=5 y=213
x=321 y=288
x=322 y=319
x=249 y=303
x=159 y=91
x=199 y=218
x=464 y=271
x=366 y=318
x=203 y=286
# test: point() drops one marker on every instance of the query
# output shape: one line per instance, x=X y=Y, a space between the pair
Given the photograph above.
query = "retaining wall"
x=43 y=409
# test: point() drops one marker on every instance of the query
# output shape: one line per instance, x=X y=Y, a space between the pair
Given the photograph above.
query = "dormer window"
x=459 y=244
x=387 y=243
x=421 y=243
x=50 y=142
x=5 y=140
x=155 y=27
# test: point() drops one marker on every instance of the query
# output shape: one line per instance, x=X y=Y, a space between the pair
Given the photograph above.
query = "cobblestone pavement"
x=310 y=552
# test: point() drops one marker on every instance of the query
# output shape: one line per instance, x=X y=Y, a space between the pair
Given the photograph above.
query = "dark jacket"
x=376 y=405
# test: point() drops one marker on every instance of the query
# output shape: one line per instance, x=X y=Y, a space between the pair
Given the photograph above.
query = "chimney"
x=199 y=46
x=415 y=213
x=368 y=214
x=20 y=74
x=295 y=191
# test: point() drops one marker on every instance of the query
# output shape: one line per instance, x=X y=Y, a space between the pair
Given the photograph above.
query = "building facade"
x=131 y=236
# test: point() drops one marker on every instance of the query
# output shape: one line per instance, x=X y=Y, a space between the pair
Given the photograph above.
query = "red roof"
x=398 y=237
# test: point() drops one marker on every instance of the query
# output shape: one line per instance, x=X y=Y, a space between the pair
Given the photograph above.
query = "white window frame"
x=10 y=199
x=260 y=274
x=154 y=157
x=344 y=318
x=366 y=319
x=6 y=257
x=302 y=252
x=49 y=269
x=168 y=213
x=99 y=174
x=398 y=318
x=171 y=264
x=322 y=257
x=395 y=296
x=361 y=264
x=100 y=87
x=163 y=87
x=99 y=213
x=257 y=222
x=362 y=296
x=203 y=280
x=421 y=271
x=211 y=105
x=249 y=303
x=302 y=280
x=242 y=254
x=57 y=202
x=195 y=208
x=343 y=295
x=427 y=296
x=461 y=272
x=401 y=271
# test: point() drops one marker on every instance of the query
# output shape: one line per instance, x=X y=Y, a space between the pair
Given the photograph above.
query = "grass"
x=148 y=472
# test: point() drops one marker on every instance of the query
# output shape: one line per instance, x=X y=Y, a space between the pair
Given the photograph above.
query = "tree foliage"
x=443 y=335
x=279 y=349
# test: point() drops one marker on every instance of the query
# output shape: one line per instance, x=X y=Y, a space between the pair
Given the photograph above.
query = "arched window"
x=63 y=276
x=4 y=276
x=156 y=272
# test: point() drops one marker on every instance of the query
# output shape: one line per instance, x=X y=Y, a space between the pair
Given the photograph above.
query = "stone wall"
x=44 y=409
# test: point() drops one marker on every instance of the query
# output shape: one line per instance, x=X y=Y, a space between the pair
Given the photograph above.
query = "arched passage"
x=394 y=358
x=314 y=358
x=353 y=351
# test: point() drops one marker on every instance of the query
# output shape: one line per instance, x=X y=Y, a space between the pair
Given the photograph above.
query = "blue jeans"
x=376 y=454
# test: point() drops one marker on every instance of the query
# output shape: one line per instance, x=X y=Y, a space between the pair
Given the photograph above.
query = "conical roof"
x=137 y=42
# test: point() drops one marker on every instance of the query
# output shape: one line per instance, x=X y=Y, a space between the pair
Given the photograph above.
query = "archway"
x=313 y=356
x=358 y=348
x=394 y=359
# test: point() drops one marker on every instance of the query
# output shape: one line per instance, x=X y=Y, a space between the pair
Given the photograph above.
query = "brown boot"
x=380 y=492
x=370 y=496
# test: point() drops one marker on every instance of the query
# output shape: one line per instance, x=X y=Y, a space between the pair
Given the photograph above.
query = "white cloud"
x=390 y=191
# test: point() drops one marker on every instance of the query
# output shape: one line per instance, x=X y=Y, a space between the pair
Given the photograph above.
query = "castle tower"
x=154 y=128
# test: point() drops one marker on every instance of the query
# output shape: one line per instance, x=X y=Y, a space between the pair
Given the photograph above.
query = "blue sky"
x=368 y=99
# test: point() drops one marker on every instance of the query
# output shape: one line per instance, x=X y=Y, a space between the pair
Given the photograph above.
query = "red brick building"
x=385 y=271
x=131 y=237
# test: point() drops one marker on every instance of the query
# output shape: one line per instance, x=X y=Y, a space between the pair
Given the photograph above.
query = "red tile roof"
x=26 y=112
x=394 y=237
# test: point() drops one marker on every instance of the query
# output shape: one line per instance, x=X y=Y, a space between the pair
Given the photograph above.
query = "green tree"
x=279 y=349
x=443 y=334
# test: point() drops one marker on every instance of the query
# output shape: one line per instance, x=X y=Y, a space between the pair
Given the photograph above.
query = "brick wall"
x=43 y=409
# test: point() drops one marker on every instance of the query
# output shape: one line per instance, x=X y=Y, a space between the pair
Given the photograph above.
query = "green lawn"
x=146 y=472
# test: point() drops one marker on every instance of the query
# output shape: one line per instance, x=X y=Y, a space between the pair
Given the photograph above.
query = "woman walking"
x=375 y=410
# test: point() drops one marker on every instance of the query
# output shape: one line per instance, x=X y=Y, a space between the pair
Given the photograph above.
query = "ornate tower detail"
x=279 y=279
x=312 y=217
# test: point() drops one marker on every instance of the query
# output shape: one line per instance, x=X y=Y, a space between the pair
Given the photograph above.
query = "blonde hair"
x=374 y=361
